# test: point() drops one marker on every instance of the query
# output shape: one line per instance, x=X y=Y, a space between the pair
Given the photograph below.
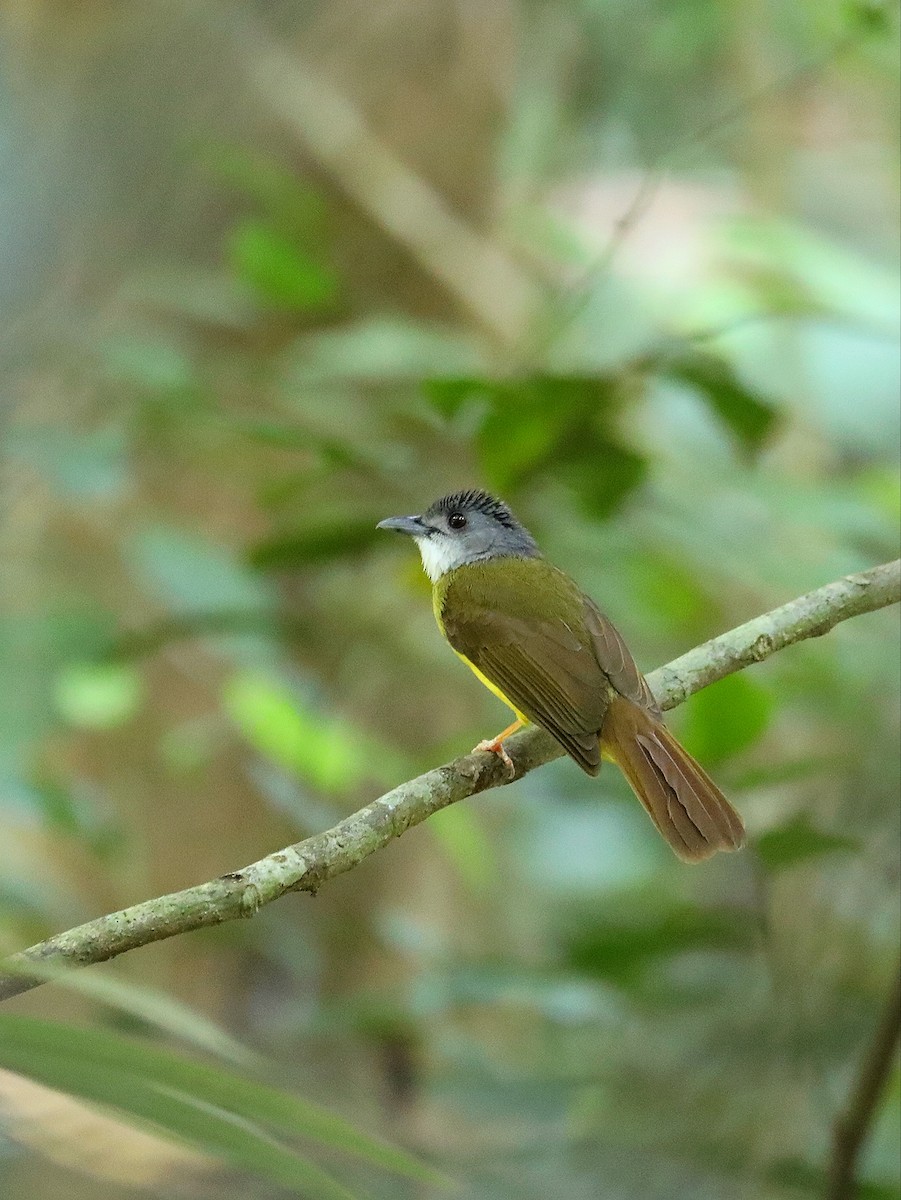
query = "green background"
x=269 y=273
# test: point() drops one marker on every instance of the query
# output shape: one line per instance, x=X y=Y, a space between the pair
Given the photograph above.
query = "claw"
x=496 y=746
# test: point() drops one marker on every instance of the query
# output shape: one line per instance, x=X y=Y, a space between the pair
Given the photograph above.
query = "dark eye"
x=456 y=521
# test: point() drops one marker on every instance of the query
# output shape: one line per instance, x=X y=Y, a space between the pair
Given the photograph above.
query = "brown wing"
x=615 y=660
x=545 y=671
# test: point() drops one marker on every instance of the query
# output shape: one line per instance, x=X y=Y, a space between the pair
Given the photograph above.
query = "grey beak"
x=412 y=526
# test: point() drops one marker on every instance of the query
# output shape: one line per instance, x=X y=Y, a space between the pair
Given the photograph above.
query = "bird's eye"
x=456 y=521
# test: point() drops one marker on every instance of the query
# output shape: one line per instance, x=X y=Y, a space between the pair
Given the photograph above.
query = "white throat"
x=439 y=555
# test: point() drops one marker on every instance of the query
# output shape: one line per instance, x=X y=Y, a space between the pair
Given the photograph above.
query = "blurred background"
x=270 y=272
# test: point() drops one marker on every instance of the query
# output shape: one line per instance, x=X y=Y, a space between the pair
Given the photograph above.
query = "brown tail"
x=682 y=800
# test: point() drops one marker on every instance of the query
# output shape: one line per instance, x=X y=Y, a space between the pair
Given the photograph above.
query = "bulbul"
x=534 y=638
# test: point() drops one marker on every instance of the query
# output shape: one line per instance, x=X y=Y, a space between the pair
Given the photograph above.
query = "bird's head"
x=464 y=528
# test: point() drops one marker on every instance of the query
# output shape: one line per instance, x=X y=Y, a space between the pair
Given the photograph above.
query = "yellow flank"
x=492 y=687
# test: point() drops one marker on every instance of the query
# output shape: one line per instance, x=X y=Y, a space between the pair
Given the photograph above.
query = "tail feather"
x=681 y=799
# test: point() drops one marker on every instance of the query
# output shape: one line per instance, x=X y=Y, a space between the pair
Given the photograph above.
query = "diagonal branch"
x=305 y=866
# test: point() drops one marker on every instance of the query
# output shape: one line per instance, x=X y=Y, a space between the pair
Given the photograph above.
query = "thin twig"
x=853 y=1125
x=305 y=866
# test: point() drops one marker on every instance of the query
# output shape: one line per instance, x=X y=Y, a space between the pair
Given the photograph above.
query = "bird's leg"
x=495 y=745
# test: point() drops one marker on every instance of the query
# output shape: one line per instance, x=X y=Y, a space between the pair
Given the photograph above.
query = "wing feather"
x=615 y=660
x=546 y=699
x=559 y=671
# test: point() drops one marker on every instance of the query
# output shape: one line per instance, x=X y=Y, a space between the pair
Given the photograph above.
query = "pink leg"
x=495 y=745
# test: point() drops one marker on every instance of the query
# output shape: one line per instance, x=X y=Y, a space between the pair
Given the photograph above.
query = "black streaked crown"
x=476 y=500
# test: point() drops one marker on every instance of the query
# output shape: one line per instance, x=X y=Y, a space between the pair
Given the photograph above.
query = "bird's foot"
x=496 y=746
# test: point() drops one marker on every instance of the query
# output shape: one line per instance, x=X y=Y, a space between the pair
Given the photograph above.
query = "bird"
x=543 y=647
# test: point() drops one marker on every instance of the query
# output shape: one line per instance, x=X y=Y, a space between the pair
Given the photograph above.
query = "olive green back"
x=530 y=629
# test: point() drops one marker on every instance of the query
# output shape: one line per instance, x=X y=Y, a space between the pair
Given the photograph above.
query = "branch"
x=305 y=866
x=852 y=1127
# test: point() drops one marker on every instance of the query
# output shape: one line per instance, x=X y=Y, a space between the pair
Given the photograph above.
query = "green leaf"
x=57 y=805
x=316 y=747
x=799 y=840
x=450 y=396
x=533 y=422
x=725 y=718
x=287 y=200
x=71 y=807
x=191 y=295
x=549 y=426
x=187 y=1117
x=870 y=17
x=279 y=270
x=775 y=772
x=814 y=273
x=81 y=464
x=516 y=439
x=306 y=740
x=747 y=416
x=206 y=1105
x=194 y=574
x=383 y=349
x=155 y=1008
x=98 y=695
x=321 y=543
x=602 y=473
x=620 y=949
x=156 y=365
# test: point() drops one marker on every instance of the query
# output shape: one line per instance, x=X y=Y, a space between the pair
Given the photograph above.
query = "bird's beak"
x=412 y=526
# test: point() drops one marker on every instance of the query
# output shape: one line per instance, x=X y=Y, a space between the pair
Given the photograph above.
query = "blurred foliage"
x=636 y=267
x=216 y=1111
